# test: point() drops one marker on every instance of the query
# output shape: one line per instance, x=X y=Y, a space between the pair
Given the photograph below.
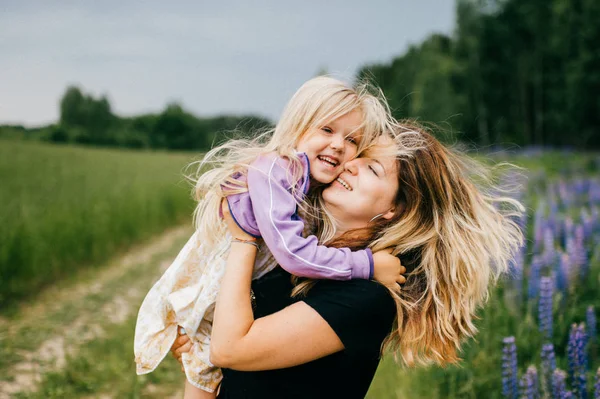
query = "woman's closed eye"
x=373 y=170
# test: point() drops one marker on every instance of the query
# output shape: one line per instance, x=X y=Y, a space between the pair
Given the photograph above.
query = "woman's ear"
x=389 y=214
x=393 y=211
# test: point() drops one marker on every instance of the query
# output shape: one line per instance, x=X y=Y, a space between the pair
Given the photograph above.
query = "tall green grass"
x=67 y=207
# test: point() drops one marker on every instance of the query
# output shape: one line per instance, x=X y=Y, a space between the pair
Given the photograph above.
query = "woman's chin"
x=337 y=200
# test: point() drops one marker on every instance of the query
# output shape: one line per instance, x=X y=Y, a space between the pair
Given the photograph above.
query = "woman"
x=409 y=193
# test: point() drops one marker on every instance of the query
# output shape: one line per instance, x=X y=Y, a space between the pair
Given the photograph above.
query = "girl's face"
x=330 y=146
x=366 y=188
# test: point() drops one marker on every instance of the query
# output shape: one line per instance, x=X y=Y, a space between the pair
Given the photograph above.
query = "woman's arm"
x=292 y=336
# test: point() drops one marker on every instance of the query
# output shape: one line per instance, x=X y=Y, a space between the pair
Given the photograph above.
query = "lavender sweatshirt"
x=269 y=210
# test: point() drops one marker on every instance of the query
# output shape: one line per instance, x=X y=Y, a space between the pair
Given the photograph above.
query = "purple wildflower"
x=591 y=323
x=549 y=250
x=510 y=388
x=516 y=273
x=594 y=192
x=545 y=307
x=563 y=274
x=574 y=258
x=578 y=252
x=567 y=229
x=548 y=366
x=539 y=225
x=577 y=360
x=534 y=277
x=559 y=384
x=529 y=384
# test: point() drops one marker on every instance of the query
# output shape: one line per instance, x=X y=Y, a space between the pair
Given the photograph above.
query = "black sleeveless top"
x=360 y=312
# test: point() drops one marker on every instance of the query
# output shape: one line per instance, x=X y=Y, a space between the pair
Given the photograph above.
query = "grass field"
x=68 y=207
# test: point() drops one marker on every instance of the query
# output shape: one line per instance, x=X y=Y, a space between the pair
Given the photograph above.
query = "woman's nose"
x=352 y=166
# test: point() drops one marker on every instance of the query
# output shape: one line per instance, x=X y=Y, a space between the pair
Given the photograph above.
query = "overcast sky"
x=213 y=57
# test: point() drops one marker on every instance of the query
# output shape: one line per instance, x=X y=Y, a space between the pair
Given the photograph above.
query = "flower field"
x=538 y=333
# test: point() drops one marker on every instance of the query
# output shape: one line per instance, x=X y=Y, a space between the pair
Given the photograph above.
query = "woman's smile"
x=340 y=182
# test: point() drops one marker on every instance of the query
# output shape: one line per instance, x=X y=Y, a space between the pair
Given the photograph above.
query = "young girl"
x=325 y=124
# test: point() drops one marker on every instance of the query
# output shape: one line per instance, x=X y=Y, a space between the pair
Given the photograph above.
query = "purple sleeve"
x=275 y=212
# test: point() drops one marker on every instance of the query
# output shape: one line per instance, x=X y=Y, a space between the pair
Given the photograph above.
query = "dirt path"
x=44 y=333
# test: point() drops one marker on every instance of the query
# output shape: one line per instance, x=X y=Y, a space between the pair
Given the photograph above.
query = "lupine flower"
x=568 y=229
x=595 y=219
x=577 y=359
x=548 y=366
x=545 y=307
x=516 y=272
x=510 y=388
x=594 y=192
x=574 y=258
x=549 y=250
x=559 y=384
x=529 y=383
x=538 y=227
x=591 y=323
x=533 y=287
x=562 y=271
x=579 y=252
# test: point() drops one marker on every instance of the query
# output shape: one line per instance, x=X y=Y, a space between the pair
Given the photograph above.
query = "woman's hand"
x=388 y=270
x=232 y=226
x=181 y=345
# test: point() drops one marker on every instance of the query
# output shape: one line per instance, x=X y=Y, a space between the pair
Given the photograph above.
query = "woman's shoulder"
x=365 y=298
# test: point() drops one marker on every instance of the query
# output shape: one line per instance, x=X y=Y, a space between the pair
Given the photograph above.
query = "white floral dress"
x=185 y=295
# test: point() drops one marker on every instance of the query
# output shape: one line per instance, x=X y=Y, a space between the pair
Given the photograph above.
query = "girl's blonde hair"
x=316 y=103
x=454 y=236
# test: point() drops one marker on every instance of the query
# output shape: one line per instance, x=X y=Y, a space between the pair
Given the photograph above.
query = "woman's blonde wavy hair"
x=317 y=102
x=454 y=236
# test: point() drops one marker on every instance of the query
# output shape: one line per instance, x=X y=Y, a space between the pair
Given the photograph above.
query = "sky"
x=225 y=57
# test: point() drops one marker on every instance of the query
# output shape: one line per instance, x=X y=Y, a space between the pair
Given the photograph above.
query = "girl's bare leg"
x=191 y=392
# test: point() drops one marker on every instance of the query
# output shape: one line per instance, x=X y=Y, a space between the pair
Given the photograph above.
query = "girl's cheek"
x=351 y=153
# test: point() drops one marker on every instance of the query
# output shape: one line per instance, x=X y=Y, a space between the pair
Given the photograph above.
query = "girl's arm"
x=275 y=211
x=292 y=336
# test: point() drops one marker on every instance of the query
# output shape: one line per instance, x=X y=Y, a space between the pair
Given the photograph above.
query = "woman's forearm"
x=233 y=310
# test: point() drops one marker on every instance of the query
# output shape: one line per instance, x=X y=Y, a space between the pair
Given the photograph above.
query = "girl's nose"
x=337 y=142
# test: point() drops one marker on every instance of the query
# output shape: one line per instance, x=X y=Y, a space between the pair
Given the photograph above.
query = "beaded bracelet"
x=250 y=242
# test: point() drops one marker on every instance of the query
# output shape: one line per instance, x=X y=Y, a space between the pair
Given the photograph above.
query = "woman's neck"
x=342 y=226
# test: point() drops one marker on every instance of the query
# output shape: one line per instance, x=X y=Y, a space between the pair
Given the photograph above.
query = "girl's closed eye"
x=351 y=139
x=327 y=129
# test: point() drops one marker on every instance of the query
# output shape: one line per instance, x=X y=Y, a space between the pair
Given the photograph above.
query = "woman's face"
x=366 y=188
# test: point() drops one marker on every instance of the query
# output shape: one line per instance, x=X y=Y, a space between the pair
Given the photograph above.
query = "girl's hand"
x=232 y=226
x=181 y=345
x=388 y=270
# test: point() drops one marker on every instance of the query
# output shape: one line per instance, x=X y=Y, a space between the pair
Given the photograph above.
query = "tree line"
x=523 y=72
x=87 y=120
